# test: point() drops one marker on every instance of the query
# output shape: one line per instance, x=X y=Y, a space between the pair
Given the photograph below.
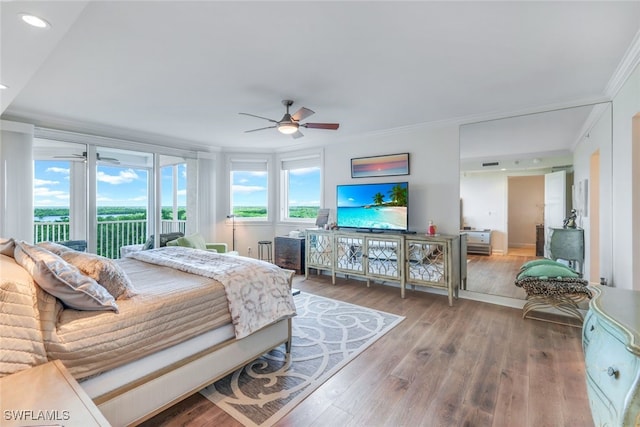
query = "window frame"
x=308 y=158
x=253 y=163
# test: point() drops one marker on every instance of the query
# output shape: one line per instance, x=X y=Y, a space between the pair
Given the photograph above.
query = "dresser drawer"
x=588 y=328
x=479 y=237
x=611 y=369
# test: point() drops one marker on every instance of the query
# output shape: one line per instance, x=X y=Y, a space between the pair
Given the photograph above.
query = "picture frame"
x=375 y=166
x=581 y=197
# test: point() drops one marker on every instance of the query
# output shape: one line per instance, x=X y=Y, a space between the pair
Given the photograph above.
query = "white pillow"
x=103 y=270
x=7 y=246
x=54 y=247
x=63 y=280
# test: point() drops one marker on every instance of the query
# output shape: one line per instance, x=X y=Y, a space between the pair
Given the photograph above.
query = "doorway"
x=525 y=210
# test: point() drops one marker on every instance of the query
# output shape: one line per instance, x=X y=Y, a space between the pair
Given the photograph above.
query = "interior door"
x=555 y=202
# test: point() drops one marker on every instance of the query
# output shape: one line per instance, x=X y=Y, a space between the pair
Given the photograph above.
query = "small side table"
x=289 y=253
x=47 y=395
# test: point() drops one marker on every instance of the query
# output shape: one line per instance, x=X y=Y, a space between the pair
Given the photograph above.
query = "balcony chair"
x=196 y=241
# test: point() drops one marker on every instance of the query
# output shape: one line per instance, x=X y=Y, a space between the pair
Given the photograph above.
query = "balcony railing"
x=111 y=235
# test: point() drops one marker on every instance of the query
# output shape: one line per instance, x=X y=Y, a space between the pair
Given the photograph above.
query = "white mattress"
x=171 y=307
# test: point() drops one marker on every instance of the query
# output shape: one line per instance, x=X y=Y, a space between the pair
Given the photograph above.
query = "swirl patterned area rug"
x=327 y=334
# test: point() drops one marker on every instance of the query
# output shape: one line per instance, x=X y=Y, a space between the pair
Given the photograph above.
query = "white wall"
x=484 y=196
x=626 y=191
x=16 y=180
x=433 y=179
x=599 y=139
x=433 y=182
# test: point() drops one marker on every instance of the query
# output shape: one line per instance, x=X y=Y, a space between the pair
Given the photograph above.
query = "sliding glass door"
x=59 y=191
x=110 y=197
x=123 y=195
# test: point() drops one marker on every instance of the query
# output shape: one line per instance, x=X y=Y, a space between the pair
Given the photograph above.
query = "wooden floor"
x=495 y=274
x=473 y=364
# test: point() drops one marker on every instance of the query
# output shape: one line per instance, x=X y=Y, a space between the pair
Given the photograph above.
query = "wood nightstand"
x=46 y=395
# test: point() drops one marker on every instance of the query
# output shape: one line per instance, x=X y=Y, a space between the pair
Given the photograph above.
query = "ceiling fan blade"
x=112 y=160
x=109 y=160
x=302 y=114
x=254 y=130
x=72 y=157
x=297 y=134
x=330 y=126
x=260 y=117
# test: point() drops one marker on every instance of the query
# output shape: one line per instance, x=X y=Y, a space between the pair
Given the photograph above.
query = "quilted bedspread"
x=258 y=292
x=21 y=331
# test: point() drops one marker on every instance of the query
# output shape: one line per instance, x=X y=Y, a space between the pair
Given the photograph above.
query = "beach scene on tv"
x=373 y=206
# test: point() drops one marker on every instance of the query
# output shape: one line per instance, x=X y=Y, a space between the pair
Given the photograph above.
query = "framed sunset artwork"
x=389 y=165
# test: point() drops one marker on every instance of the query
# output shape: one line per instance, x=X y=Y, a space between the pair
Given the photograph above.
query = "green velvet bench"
x=550 y=284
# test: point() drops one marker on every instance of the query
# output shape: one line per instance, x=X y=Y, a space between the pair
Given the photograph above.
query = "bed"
x=177 y=328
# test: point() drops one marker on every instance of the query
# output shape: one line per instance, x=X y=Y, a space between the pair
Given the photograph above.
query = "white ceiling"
x=179 y=72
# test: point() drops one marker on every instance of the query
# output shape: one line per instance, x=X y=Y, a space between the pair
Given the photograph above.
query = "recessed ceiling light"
x=34 y=21
x=3 y=86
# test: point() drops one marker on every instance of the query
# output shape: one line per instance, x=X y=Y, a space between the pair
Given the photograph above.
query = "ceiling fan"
x=290 y=123
x=83 y=156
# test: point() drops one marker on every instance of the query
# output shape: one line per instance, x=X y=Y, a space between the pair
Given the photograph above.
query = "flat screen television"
x=373 y=207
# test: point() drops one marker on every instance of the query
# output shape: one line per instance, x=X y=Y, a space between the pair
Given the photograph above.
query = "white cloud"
x=182 y=192
x=124 y=177
x=37 y=182
x=64 y=171
x=247 y=188
x=47 y=192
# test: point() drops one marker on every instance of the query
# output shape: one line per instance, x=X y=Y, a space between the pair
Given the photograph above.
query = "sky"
x=117 y=186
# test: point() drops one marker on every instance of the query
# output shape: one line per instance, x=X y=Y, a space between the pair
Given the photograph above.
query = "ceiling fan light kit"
x=290 y=124
x=288 y=128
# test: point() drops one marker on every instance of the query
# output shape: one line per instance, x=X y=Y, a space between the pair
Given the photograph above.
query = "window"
x=51 y=190
x=300 y=188
x=174 y=197
x=122 y=206
x=249 y=189
x=108 y=195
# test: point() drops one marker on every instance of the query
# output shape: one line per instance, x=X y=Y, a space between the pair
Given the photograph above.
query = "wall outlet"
x=249 y=251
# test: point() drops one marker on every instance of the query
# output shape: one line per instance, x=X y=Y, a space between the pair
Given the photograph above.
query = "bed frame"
x=144 y=395
x=142 y=398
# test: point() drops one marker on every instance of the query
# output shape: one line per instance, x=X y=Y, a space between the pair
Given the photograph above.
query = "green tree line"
x=110 y=213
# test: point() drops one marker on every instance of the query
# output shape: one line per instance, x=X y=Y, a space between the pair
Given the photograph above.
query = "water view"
x=392 y=218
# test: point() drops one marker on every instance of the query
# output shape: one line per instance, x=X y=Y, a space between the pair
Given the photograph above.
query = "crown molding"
x=627 y=65
x=105 y=141
x=61 y=126
x=19 y=127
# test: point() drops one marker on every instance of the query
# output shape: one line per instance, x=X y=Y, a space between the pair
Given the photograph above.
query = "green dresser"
x=611 y=343
x=567 y=244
